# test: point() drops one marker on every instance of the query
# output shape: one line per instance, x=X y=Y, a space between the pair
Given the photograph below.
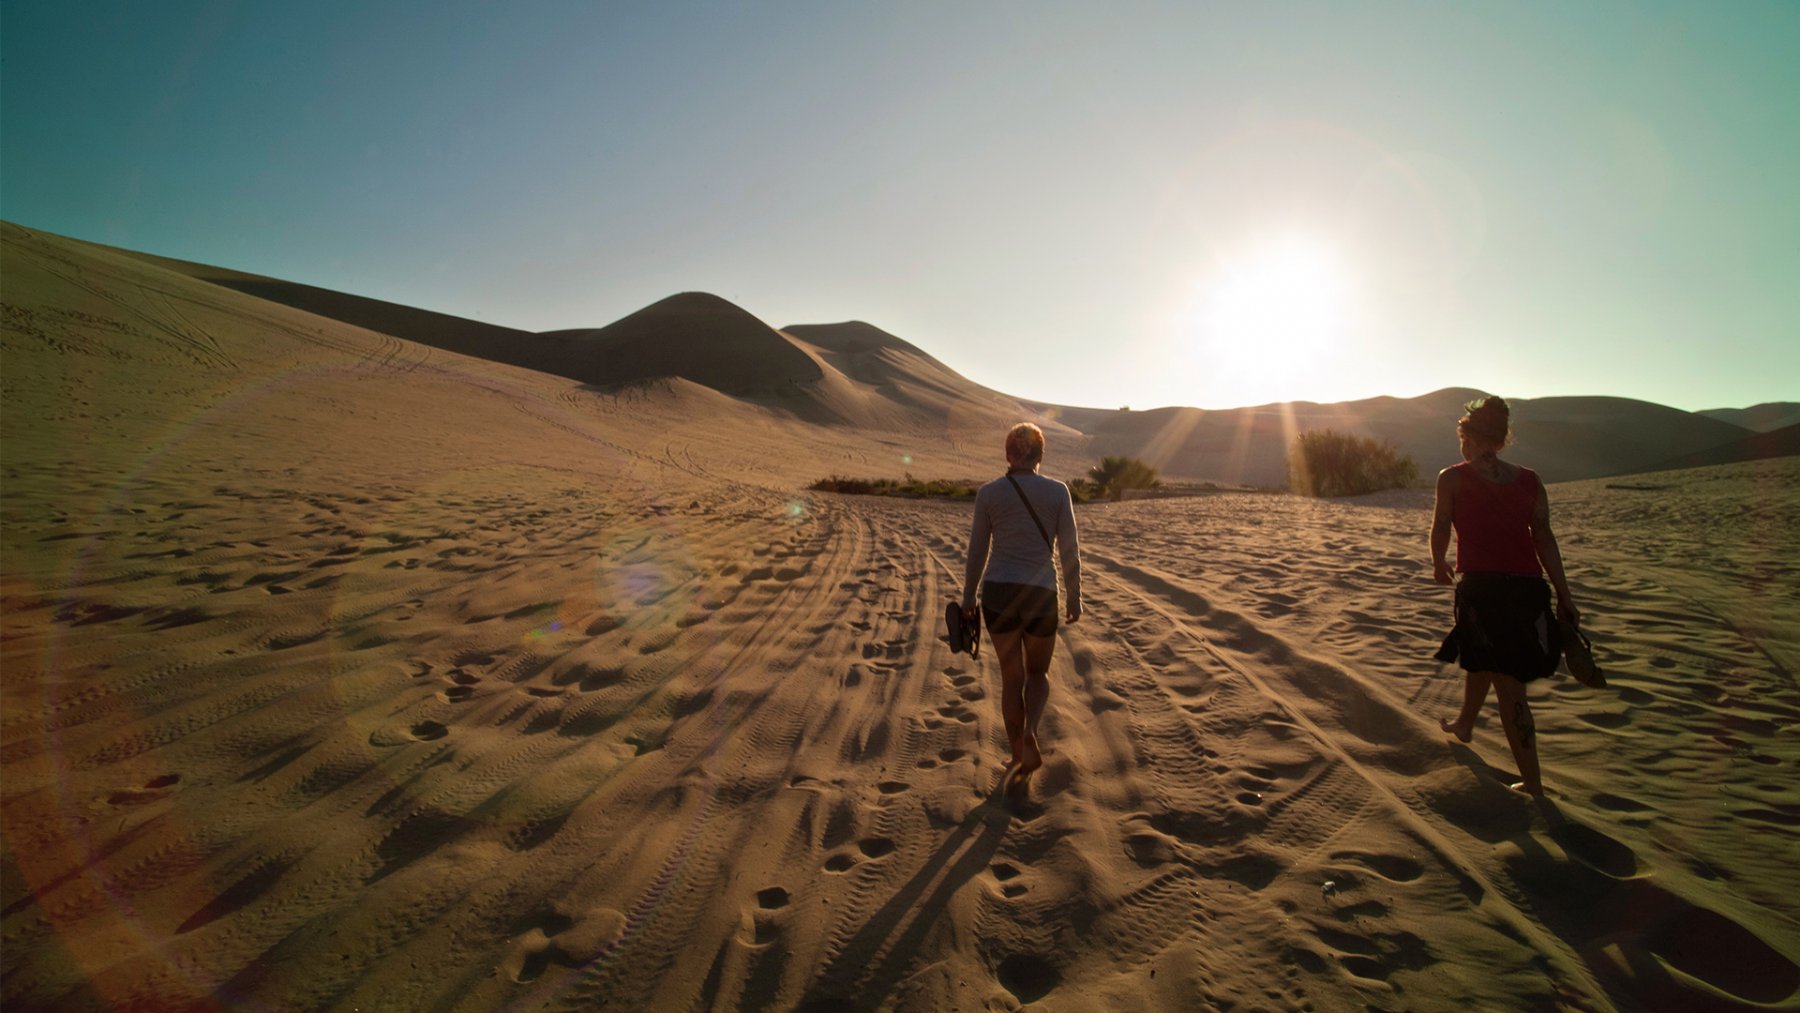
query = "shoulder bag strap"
x=1034 y=517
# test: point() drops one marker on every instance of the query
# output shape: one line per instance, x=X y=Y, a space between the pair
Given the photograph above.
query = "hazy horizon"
x=1165 y=206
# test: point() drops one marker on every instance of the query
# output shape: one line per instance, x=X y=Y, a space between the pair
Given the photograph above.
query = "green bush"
x=1326 y=463
x=1114 y=475
x=910 y=487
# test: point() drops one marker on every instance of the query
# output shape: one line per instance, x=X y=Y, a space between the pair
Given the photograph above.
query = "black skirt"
x=1504 y=623
x=1007 y=607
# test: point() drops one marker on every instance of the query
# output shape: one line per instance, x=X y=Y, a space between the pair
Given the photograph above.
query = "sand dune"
x=345 y=672
x=721 y=347
x=857 y=376
x=1760 y=418
x=1783 y=442
x=1566 y=438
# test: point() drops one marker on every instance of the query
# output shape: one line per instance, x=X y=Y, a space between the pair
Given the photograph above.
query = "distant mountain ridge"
x=855 y=374
x=1761 y=418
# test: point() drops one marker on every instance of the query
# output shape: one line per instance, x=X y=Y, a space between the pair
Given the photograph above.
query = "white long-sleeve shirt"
x=1018 y=553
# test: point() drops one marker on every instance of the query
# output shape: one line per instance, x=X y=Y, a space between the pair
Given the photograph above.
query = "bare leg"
x=1475 y=690
x=1037 y=691
x=1521 y=732
x=1011 y=654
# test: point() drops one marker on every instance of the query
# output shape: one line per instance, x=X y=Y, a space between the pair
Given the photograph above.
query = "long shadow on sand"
x=876 y=959
x=1644 y=943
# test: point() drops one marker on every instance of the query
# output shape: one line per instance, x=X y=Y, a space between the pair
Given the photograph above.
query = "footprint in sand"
x=560 y=938
x=1004 y=876
x=762 y=925
x=149 y=791
x=1375 y=956
x=1396 y=868
x=1604 y=719
x=1619 y=803
x=1596 y=850
x=539 y=949
x=388 y=736
x=1028 y=977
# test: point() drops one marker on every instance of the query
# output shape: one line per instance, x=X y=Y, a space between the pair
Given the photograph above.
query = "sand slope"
x=1566 y=438
x=856 y=376
x=344 y=672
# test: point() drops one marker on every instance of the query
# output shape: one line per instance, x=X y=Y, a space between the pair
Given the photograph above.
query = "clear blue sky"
x=1096 y=204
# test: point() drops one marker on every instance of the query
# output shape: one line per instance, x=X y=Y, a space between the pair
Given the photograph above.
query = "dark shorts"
x=1504 y=623
x=1007 y=607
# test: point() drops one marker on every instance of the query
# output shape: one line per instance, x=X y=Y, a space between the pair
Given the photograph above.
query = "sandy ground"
x=343 y=673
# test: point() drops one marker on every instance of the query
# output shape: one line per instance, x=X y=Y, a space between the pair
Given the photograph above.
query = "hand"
x=1567 y=612
x=1442 y=573
x=970 y=613
x=1073 y=615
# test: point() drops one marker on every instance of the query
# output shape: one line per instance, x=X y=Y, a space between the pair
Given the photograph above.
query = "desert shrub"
x=1326 y=463
x=937 y=488
x=1114 y=475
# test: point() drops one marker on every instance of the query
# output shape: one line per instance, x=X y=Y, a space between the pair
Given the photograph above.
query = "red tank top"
x=1493 y=523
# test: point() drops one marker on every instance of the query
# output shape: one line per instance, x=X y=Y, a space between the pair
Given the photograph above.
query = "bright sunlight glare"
x=1270 y=324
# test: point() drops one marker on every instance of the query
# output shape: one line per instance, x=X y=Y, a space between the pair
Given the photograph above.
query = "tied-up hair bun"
x=1487 y=417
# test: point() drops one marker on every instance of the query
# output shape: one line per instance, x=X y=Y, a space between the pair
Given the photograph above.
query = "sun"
x=1270 y=321
x=1288 y=294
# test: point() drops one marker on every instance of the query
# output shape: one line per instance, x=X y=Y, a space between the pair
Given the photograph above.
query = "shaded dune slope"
x=841 y=374
x=439 y=330
x=695 y=336
x=1783 y=442
x=1563 y=438
x=1761 y=418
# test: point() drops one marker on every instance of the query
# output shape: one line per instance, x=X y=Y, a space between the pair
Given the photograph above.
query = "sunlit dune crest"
x=359 y=657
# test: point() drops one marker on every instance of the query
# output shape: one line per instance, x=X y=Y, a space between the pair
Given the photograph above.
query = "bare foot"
x=1535 y=791
x=1452 y=728
x=1029 y=757
x=1018 y=785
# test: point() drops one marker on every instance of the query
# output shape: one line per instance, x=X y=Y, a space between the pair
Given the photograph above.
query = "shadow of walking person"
x=883 y=951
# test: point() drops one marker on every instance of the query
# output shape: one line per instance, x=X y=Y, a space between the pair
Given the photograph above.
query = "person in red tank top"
x=1504 y=636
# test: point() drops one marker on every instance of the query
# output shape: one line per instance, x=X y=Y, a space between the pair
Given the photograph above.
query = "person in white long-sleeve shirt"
x=1018 y=598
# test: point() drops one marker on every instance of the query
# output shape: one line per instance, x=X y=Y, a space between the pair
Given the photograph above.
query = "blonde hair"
x=1025 y=444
